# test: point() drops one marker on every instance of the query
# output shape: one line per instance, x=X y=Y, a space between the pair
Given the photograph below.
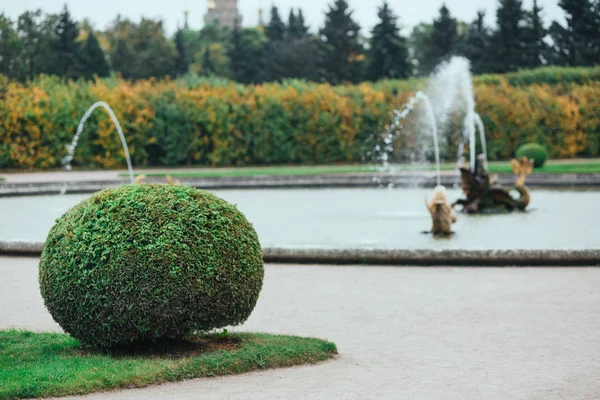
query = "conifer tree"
x=68 y=61
x=388 y=52
x=579 y=42
x=183 y=59
x=535 y=32
x=275 y=31
x=508 y=42
x=341 y=51
x=442 y=42
x=476 y=45
x=94 y=59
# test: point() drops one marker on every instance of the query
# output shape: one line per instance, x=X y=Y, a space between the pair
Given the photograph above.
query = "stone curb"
x=480 y=258
x=305 y=181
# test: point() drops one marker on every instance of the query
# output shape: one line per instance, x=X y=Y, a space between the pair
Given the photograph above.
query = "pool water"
x=363 y=218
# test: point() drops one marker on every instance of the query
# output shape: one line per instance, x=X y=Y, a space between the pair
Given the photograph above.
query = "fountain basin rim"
x=356 y=180
x=389 y=257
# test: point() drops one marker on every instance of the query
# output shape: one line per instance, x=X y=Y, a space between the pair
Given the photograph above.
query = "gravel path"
x=402 y=333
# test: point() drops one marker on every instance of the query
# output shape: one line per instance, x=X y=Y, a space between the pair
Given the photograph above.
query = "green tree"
x=274 y=51
x=292 y=24
x=442 y=42
x=388 y=52
x=302 y=29
x=476 y=45
x=9 y=48
x=298 y=58
x=183 y=59
x=207 y=63
x=246 y=54
x=155 y=54
x=535 y=32
x=210 y=50
x=93 y=58
x=417 y=42
x=296 y=26
x=276 y=29
x=508 y=41
x=141 y=51
x=68 y=52
x=122 y=53
x=579 y=42
x=341 y=57
x=36 y=36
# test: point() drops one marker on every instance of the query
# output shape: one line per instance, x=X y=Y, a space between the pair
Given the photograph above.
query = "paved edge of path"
x=366 y=257
x=347 y=180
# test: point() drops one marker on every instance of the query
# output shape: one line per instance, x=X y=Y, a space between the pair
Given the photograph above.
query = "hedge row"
x=220 y=124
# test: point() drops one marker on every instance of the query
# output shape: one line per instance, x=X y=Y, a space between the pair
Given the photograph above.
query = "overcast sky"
x=411 y=12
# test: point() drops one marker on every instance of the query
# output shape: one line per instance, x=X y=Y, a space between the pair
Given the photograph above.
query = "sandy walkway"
x=420 y=333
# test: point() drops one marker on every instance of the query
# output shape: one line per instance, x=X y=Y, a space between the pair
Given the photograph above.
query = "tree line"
x=286 y=48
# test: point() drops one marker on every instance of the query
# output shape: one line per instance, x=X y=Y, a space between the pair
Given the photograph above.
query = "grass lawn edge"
x=34 y=365
x=581 y=167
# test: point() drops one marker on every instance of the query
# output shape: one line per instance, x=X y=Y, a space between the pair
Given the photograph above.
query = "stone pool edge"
x=349 y=180
x=479 y=258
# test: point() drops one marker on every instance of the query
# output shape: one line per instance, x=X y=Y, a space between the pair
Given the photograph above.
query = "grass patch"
x=54 y=364
x=584 y=167
x=556 y=167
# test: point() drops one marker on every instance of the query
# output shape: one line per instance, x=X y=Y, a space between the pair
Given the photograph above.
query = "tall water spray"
x=384 y=152
x=71 y=150
x=449 y=91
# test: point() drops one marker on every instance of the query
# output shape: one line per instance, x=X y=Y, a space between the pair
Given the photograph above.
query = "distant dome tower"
x=224 y=12
x=261 y=22
x=186 y=24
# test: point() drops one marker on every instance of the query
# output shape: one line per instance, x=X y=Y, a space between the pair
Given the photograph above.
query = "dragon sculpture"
x=483 y=192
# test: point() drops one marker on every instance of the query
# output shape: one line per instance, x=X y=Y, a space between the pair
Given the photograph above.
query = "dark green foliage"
x=275 y=46
x=535 y=32
x=476 y=45
x=246 y=55
x=441 y=43
x=148 y=262
x=534 y=151
x=9 y=48
x=93 y=58
x=291 y=55
x=210 y=49
x=183 y=59
x=276 y=29
x=341 y=56
x=297 y=59
x=418 y=43
x=579 y=42
x=509 y=53
x=66 y=49
x=292 y=24
x=207 y=63
x=388 y=53
x=37 y=36
x=296 y=26
x=237 y=52
x=141 y=51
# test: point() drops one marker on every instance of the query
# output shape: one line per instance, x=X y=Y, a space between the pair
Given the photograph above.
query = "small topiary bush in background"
x=534 y=151
x=146 y=262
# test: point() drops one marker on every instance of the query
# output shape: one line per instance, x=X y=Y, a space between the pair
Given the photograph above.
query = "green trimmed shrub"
x=147 y=262
x=534 y=151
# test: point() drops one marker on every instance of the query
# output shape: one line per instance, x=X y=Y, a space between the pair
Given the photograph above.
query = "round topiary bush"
x=145 y=262
x=534 y=151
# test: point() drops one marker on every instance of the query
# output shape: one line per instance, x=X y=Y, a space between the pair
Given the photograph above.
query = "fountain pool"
x=363 y=218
